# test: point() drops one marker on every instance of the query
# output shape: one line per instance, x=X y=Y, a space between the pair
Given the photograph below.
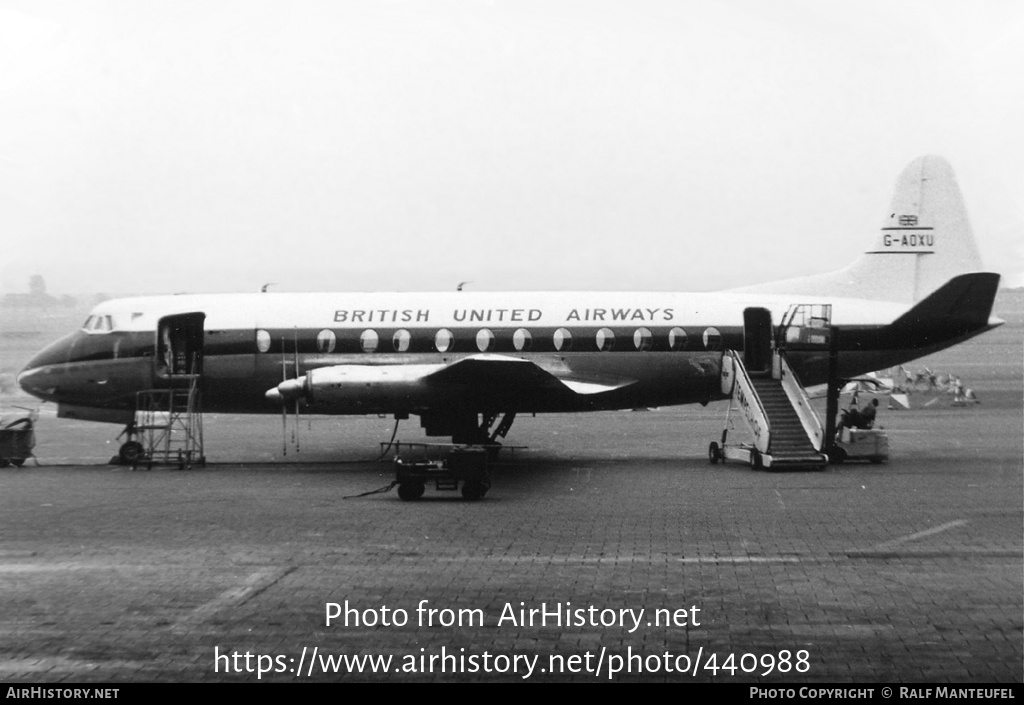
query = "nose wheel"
x=130 y=453
x=714 y=453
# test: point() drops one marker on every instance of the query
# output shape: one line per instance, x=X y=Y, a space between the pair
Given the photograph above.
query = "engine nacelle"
x=357 y=385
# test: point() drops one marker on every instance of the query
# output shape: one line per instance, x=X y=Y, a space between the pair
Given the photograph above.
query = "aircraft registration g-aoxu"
x=462 y=360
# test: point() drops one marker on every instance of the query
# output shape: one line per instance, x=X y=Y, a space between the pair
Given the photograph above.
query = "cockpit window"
x=98 y=324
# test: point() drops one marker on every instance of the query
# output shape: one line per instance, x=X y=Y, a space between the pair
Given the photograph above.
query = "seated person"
x=858 y=418
x=848 y=418
x=867 y=414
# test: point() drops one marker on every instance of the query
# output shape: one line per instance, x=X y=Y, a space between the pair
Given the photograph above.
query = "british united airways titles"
x=501 y=315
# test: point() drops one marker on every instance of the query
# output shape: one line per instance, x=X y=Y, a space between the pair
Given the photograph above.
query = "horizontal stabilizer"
x=963 y=304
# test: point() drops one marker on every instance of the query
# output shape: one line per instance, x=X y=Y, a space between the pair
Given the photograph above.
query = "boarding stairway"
x=169 y=424
x=766 y=392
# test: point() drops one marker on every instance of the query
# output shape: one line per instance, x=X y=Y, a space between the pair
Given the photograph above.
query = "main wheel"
x=18 y=462
x=714 y=453
x=130 y=453
x=409 y=491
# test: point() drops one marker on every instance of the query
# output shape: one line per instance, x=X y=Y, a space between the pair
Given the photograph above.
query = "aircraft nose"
x=37 y=382
x=39 y=376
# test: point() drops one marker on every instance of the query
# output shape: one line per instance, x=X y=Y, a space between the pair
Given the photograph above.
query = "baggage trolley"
x=465 y=465
x=17 y=439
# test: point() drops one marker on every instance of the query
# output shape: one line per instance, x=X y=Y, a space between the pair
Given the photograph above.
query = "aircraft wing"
x=490 y=376
x=506 y=373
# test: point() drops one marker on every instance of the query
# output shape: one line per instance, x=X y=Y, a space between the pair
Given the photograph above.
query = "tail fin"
x=925 y=240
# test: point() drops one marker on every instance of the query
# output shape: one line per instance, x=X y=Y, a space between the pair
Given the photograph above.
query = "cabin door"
x=757 y=340
x=179 y=345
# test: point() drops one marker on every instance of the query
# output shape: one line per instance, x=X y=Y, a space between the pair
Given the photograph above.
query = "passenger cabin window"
x=369 y=340
x=401 y=340
x=522 y=340
x=443 y=340
x=712 y=339
x=642 y=339
x=605 y=339
x=262 y=340
x=676 y=339
x=325 y=341
x=562 y=340
x=484 y=340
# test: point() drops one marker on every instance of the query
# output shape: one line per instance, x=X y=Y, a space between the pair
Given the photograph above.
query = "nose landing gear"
x=130 y=453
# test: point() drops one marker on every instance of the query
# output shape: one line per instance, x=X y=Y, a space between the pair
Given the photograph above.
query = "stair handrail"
x=749 y=401
x=801 y=402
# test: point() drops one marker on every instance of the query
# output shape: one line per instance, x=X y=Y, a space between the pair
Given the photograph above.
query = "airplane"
x=460 y=360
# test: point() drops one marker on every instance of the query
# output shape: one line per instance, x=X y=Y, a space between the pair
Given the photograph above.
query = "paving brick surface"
x=905 y=572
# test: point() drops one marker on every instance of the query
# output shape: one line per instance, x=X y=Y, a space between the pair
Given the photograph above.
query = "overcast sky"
x=151 y=147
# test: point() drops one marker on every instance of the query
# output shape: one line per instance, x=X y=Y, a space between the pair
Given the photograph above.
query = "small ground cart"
x=17 y=439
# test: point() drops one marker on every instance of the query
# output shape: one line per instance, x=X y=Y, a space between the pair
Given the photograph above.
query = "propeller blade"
x=297 y=400
x=284 y=406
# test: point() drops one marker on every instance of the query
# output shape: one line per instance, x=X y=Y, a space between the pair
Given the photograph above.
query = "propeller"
x=284 y=403
x=295 y=437
x=288 y=389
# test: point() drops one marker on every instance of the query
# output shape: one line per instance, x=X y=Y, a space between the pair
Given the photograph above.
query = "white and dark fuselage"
x=632 y=349
x=449 y=356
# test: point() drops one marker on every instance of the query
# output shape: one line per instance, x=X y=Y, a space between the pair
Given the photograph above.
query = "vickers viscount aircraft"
x=463 y=360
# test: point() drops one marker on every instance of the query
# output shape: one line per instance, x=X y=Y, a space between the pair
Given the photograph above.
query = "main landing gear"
x=469 y=433
x=469 y=428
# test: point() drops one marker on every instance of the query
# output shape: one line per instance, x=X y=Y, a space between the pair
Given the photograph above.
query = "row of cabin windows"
x=522 y=340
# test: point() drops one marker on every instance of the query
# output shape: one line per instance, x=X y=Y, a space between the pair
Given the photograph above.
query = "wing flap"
x=583 y=387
